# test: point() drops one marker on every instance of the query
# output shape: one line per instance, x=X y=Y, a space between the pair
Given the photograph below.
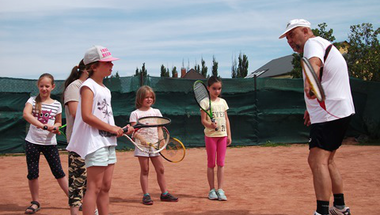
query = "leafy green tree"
x=204 y=68
x=234 y=69
x=174 y=72
x=242 y=69
x=322 y=32
x=164 y=71
x=142 y=71
x=214 y=67
x=363 y=53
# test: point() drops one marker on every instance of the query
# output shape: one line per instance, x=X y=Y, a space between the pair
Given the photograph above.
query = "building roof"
x=274 y=68
x=192 y=74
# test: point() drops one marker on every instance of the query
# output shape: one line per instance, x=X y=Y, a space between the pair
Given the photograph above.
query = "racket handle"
x=213 y=120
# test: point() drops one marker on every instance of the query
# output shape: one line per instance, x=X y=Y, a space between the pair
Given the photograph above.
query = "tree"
x=164 y=71
x=242 y=69
x=363 y=53
x=320 y=31
x=234 y=69
x=142 y=71
x=204 y=68
x=174 y=72
x=214 y=67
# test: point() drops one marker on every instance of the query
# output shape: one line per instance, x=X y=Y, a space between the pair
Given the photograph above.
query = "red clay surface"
x=258 y=181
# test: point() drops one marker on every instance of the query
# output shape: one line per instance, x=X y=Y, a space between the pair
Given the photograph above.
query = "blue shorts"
x=101 y=157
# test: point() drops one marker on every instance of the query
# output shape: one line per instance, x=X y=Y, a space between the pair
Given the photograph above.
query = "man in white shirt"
x=328 y=122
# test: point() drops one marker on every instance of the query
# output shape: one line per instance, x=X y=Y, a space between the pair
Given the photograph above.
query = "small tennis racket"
x=154 y=126
x=174 y=151
x=61 y=130
x=315 y=83
x=202 y=97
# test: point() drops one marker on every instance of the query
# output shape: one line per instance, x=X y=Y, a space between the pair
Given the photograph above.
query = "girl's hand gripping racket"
x=150 y=134
x=315 y=84
x=202 y=97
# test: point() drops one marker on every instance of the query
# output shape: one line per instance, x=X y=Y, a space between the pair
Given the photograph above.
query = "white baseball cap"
x=98 y=53
x=293 y=24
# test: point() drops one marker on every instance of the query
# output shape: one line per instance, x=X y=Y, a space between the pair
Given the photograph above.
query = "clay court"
x=258 y=181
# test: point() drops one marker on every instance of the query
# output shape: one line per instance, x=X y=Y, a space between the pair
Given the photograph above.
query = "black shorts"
x=328 y=135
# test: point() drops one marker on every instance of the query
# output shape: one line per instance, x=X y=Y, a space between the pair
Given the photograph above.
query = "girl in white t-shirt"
x=44 y=115
x=145 y=98
x=94 y=132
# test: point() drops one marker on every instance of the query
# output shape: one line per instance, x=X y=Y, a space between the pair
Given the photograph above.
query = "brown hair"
x=38 y=97
x=141 y=94
x=213 y=79
x=90 y=68
x=75 y=74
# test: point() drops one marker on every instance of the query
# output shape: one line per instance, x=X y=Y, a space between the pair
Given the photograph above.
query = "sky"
x=52 y=36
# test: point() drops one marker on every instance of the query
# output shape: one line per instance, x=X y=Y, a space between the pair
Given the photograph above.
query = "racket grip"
x=213 y=120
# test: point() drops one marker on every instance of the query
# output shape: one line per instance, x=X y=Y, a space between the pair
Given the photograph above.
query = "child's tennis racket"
x=174 y=151
x=202 y=97
x=152 y=144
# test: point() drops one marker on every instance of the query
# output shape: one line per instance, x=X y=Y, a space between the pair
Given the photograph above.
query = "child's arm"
x=229 y=138
x=57 y=124
x=28 y=116
x=139 y=137
x=72 y=108
x=207 y=124
x=87 y=100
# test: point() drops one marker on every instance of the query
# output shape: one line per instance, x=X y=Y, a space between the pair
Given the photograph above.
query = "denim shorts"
x=101 y=157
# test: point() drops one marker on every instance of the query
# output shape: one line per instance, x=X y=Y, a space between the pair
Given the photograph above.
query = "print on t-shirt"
x=44 y=116
x=103 y=106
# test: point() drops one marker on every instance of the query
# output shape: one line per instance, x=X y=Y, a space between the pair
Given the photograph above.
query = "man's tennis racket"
x=315 y=84
x=202 y=97
x=312 y=78
x=174 y=151
x=154 y=127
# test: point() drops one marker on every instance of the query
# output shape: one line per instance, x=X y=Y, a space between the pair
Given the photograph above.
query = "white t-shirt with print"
x=219 y=108
x=335 y=82
x=86 y=139
x=49 y=111
x=149 y=134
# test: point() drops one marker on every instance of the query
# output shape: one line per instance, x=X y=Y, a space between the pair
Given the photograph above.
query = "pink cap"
x=98 y=53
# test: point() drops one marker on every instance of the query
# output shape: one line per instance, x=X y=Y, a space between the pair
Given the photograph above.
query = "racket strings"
x=154 y=121
x=200 y=92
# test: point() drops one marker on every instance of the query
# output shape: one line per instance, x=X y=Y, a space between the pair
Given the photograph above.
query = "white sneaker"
x=316 y=213
x=221 y=195
x=336 y=211
x=212 y=195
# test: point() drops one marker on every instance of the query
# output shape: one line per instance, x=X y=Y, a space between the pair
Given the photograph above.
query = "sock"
x=323 y=207
x=339 y=201
x=165 y=193
x=146 y=194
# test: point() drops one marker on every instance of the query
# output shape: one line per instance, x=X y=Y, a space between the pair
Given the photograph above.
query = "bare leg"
x=95 y=176
x=210 y=177
x=103 y=196
x=319 y=164
x=220 y=174
x=337 y=182
x=160 y=170
x=34 y=191
x=144 y=173
x=63 y=183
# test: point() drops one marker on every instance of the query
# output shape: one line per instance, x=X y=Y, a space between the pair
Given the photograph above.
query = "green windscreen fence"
x=261 y=110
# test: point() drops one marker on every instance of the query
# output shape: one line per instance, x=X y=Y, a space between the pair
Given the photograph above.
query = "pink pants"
x=215 y=147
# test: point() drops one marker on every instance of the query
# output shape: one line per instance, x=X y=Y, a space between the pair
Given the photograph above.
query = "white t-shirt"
x=49 y=111
x=219 y=108
x=71 y=94
x=335 y=82
x=86 y=139
x=149 y=134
